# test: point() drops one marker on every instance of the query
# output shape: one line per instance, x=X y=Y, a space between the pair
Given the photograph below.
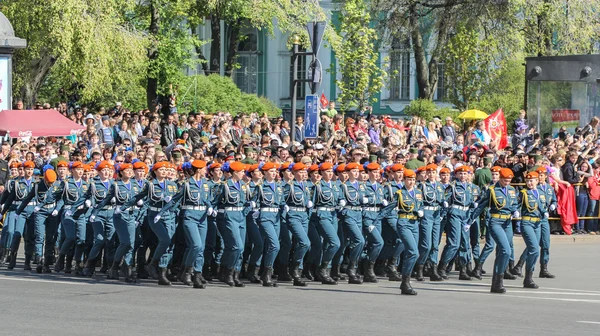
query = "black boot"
x=508 y=275
x=427 y=270
x=497 y=284
x=405 y=287
x=3 y=253
x=40 y=266
x=544 y=272
x=69 y=264
x=380 y=269
x=295 y=273
x=284 y=274
x=252 y=274
x=46 y=266
x=442 y=271
x=227 y=276
x=129 y=274
x=419 y=276
x=113 y=272
x=236 y=279
x=141 y=272
x=6 y=255
x=162 y=277
x=266 y=277
x=27 y=266
x=463 y=275
x=369 y=271
x=79 y=268
x=36 y=259
x=307 y=272
x=353 y=278
x=104 y=267
x=435 y=276
x=60 y=263
x=391 y=271
x=323 y=272
x=90 y=268
x=528 y=281
x=517 y=269
x=469 y=269
x=477 y=271
x=186 y=276
x=336 y=274
x=13 y=260
x=198 y=283
x=151 y=268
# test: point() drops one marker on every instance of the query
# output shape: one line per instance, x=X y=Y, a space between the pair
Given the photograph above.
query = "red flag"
x=566 y=207
x=495 y=125
x=324 y=101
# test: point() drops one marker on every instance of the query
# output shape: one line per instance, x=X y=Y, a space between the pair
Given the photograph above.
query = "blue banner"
x=311 y=117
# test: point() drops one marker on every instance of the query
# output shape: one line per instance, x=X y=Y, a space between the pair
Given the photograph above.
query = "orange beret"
x=62 y=164
x=214 y=166
x=396 y=167
x=541 y=170
x=341 y=168
x=76 y=164
x=237 y=166
x=88 y=167
x=198 y=164
x=28 y=164
x=421 y=169
x=352 y=165
x=431 y=167
x=181 y=142
x=161 y=164
x=313 y=168
x=285 y=166
x=179 y=167
x=361 y=167
x=299 y=166
x=506 y=173
x=103 y=165
x=444 y=171
x=496 y=169
x=124 y=166
x=373 y=166
x=50 y=176
x=140 y=165
x=409 y=173
x=532 y=175
x=325 y=166
x=252 y=167
x=15 y=164
x=462 y=169
x=268 y=166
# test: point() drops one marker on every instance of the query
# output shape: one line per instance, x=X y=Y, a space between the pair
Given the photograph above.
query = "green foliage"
x=220 y=94
x=357 y=55
x=427 y=109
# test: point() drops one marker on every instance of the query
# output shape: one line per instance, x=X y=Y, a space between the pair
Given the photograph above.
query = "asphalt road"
x=36 y=304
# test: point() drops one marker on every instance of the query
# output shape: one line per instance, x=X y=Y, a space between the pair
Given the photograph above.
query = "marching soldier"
x=252 y=227
x=489 y=246
x=393 y=245
x=10 y=220
x=374 y=193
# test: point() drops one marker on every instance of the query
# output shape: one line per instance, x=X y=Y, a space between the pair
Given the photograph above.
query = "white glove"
x=54 y=213
x=365 y=200
x=92 y=217
x=342 y=203
x=552 y=207
x=156 y=219
x=68 y=213
x=546 y=215
x=310 y=204
x=140 y=203
x=137 y=224
x=516 y=214
x=467 y=227
x=286 y=208
x=256 y=214
x=420 y=213
x=88 y=203
x=475 y=204
x=167 y=199
x=214 y=213
x=252 y=204
x=384 y=203
x=210 y=211
x=371 y=228
x=446 y=204
x=113 y=200
x=36 y=209
x=117 y=210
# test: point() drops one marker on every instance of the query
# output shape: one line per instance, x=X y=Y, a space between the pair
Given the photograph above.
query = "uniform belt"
x=230 y=209
x=194 y=207
x=154 y=209
x=107 y=207
x=49 y=206
x=459 y=207
x=500 y=216
x=431 y=208
x=325 y=209
x=297 y=209
x=375 y=209
x=71 y=206
x=530 y=219
x=355 y=208
x=269 y=209
x=16 y=203
x=407 y=216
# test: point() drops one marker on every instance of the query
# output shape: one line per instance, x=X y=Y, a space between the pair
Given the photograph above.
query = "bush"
x=427 y=109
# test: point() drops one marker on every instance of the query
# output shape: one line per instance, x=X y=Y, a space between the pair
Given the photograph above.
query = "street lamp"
x=8 y=43
x=294 y=84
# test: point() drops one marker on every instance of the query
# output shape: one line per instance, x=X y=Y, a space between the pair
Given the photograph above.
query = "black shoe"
x=129 y=277
x=252 y=274
x=512 y=269
x=336 y=274
x=186 y=276
x=69 y=264
x=435 y=276
x=79 y=268
x=405 y=287
x=477 y=271
x=151 y=268
x=227 y=276
x=295 y=272
x=90 y=268
x=162 y=277
x=390 y=270
x=380 y=269
x=463 y=273
x=497 y=284
x=353 y=278
x=528 y=281
x=442 y=271
x=419 y=276
x=469 y=269
x=13 y=260
x=27 y=266
x=307 y=272
x=3 y=253
x=198 y=280
x=113 y=273
x=37 y=259
x=544 y=272
x=266 y=277
x=40 y=266
x=284 y=274
x=323 y=272
x=517 y=269
x=508 y=275
x=369 y=272
x=236 y=279
x=60 y=263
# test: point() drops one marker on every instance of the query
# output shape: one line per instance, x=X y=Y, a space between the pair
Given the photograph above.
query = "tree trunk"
x=215 y=44
x=38 y=71
x=203 y=62
x=419 y=52
x=442 y=39
x=234 y=37
x=152 y=85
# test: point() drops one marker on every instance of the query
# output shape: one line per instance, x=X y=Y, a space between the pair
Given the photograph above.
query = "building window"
x=440 y=92
x=246 y=76
x=302 y=65
x=400 y=70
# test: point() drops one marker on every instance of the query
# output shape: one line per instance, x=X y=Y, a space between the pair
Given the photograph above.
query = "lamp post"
x=294 y=85
x=8 y=43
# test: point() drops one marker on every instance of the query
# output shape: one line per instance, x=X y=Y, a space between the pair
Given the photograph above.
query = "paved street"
x=57 y=305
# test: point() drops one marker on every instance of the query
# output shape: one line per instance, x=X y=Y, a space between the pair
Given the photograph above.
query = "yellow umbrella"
x=473 y=114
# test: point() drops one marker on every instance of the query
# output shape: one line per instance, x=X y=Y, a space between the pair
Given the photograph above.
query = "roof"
x=7 y=35
x=24 y=123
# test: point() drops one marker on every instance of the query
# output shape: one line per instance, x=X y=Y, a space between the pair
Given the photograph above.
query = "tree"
x=84 y=44
x=357 y=56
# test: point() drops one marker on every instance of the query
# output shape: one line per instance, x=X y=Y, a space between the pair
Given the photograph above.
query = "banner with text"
x=565 y=118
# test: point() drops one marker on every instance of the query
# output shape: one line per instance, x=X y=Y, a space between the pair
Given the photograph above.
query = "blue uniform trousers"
x=502 y=233
x=298 y=226
x=164 y=230
x=339 y=254
x=24 y=228
x=269 y=229
x=315 y=251
x=474 y=234
x=255 y=239
x=392 y=245
x=214 y=243
x=428 y=221
x=8 y=230
x=531 y=233
x=454 y=233
x=194 y=228
x=328 y=230
x=353 y=231
x=374 y=241
x=104 y=230
x=285 y=240
x=45 y=227
x=74 y=229
x=408 y=230
x=232 y=225
x=125 y=227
